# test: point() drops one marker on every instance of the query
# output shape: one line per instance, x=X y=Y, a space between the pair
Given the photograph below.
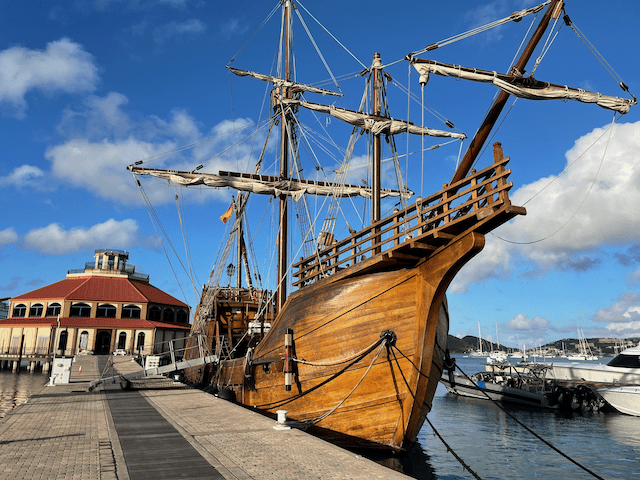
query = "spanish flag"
x=227 y=215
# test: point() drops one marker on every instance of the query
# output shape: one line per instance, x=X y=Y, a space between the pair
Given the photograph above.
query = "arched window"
x=20 y=310
x=62 y=341
x=122 y=341
x=130 y=311
x=182 y=316
x=140 y=346
x=155 y=313
x=36 y=310
x=106 y=311
x=53 y=310
x=168 y=315
x=80 y=310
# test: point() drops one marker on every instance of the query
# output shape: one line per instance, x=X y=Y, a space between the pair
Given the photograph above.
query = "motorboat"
x=624 y=399
x=503 y=382
x=624 y=368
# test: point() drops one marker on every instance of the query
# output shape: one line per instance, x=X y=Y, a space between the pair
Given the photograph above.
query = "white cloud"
x=622 y=318
x=104 y=140
x=8 y=235
x=572 y=232
x=62 y=67
x=522 y=322
x=232 y=27
x=22 y=176
x=169 y=30
x=54 y=240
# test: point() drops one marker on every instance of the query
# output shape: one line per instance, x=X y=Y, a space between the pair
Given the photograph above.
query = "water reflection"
x=16 y=388
x=495 y=446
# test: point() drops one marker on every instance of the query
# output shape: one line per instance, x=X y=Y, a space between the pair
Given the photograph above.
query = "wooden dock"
x=162 y=431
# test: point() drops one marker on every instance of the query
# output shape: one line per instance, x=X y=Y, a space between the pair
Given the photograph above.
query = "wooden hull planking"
x=337 y=318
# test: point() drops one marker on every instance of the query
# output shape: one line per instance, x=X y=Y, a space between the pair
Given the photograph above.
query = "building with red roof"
x=103 y=308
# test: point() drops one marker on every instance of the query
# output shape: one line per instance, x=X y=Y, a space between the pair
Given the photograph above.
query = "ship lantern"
x=231 y=270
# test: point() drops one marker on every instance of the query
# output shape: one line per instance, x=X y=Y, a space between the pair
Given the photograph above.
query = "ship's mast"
x=376 y=147
x=281 y=291
x=376 y=144
x=492 y=116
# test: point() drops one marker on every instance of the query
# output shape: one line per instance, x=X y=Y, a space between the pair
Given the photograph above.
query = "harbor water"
x=493 y=445
x=16 y=388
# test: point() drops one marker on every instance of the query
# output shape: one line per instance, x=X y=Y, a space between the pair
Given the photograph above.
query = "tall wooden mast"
x=281 y=290
x=376 y=147
x=492 y=116
x=376 y=174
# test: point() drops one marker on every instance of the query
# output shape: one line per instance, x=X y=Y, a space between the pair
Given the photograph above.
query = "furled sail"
x=376 y=124
x=265 y=185
x=282 y=83
x=523 y=87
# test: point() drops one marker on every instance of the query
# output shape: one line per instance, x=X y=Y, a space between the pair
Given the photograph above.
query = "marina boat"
x=624 y=368
x=351 y=337
x=624 y=399
x=522 y=384
x=584 y=350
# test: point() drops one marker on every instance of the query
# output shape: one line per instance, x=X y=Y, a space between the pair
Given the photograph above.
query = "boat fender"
x=247 y=363
x=288 y=359
x=449 y=365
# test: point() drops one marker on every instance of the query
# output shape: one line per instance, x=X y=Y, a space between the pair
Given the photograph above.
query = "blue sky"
x=87 y=88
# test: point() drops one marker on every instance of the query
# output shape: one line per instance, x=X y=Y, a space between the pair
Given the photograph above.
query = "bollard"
x=282 y=420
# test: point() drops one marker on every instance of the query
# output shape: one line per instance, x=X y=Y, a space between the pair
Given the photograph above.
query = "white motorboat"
x=624 y=368
x=624 y=399
x=503 y=383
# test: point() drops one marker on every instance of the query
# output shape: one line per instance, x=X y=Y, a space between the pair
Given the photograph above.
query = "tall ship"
x=351 y=337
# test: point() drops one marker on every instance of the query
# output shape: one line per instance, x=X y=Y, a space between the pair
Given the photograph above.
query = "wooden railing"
x=419 y=229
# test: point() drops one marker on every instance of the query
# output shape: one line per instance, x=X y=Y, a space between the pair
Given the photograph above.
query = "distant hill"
x=468 y=343
x=602 y=346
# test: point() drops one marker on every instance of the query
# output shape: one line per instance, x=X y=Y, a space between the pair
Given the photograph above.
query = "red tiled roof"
x=155 y=295
x=102 y=289
x=91 y=322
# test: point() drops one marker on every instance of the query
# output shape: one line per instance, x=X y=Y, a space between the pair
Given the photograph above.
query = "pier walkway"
x=166 y=431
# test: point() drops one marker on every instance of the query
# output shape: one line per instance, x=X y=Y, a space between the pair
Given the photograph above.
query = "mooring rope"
x=449 y=449
x=549 y=444
x=373 y=360
x=506 y=412
x=279 y=403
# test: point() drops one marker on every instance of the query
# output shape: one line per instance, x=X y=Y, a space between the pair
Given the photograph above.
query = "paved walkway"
x=65 y=432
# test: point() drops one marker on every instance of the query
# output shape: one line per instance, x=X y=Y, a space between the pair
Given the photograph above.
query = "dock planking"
x=162 y=431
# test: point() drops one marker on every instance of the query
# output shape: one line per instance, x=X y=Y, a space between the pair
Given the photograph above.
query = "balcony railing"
x=422 y=227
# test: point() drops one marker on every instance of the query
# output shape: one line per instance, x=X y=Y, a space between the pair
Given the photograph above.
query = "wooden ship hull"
x=367 y=338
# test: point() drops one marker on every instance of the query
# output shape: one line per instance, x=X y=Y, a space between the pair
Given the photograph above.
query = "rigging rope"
x=331 y=35
x=597 y=55
x=185 y=242
x=155 y=221
x=514 y=17
x=264 y=22
x=604 y=153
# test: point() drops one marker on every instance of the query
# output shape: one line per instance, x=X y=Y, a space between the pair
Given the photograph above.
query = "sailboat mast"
x=281 y=289
x=492 y=116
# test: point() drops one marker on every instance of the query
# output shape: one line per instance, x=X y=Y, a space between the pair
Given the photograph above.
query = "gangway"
x=175 y=365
